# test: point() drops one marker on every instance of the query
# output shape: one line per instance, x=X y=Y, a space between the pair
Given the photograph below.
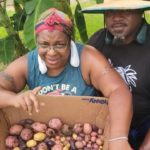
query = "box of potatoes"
x=63 y=123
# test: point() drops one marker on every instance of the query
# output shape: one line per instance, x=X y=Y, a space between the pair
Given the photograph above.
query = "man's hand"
x=119 y=145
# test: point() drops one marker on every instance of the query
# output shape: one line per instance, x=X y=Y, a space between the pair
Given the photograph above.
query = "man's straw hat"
x=118 y=5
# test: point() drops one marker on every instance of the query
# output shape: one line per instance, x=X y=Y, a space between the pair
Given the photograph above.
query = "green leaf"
x=32 y=18
x=18 y=20
x=19 y=1
x=99 y=1
x=7 y=50
x=80 y=22
x=30 y=6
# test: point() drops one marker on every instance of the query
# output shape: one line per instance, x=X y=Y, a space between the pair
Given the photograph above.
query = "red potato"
x=100 y=131
x=57 y=136
x=55 y=123
x=94 y=133
x=79 y=144
x=12 y=142
x=93 y=139
x=66 y=130
x=95 y=146
x=57 y=147
x=79 y=138
x=78 y=127
x=99 y=142
x=50 y=132
x=87 y=138
x=26 y=134
x=42 y=146
x=39 y=127
x=15 y=129
x=82 y=135
x=87 y=128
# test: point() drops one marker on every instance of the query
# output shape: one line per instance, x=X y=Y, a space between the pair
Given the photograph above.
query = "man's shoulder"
x=99 y=33
x=98 y=38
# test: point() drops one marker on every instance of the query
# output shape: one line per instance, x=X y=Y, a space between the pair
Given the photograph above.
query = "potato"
x=39 y=127
x=78 y=127
x=79 y=144
x=40 y=136
x=100 y=131
x=15 y=129
x=66 y=130
x=22 y=144
x=87 y=138
x=49 y=142
x=16 y=148
x=57 y=147
x=87 y=128
x=72 y=145
x=94 y=128
x=31 y=143
x=26 y=134
x=30 y=135
x=99 y=142
x=42 y=146
x=55 y=123
x=26 y=123
x=50 y=132
x=12 y=141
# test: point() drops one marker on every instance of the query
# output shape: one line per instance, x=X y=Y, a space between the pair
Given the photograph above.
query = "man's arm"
x=98 y=72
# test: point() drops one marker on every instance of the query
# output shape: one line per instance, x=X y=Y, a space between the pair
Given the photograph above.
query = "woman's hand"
x=27 y=100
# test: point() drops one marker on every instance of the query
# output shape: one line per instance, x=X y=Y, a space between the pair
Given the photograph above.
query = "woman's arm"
x=12 y=82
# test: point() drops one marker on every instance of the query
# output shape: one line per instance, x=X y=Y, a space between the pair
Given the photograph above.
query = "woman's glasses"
x=58 y=47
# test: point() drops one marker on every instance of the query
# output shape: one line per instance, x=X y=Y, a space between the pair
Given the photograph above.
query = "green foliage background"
x=17 y=39
x=17 y=26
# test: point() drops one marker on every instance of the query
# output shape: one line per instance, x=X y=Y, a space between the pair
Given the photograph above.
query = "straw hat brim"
x=118 y=5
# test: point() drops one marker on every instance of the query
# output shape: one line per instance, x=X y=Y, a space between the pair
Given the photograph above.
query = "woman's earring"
x=74 y=60
x=42 y=65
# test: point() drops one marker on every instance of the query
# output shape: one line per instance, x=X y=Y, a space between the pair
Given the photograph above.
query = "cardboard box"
x=70 y=109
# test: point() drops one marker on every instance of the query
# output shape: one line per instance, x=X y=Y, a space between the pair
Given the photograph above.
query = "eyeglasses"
x=57 y=47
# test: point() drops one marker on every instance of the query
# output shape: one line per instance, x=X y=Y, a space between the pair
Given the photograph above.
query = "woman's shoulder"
x=33 y=52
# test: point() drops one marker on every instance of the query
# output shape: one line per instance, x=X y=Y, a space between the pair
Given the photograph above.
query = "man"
x=125 y=41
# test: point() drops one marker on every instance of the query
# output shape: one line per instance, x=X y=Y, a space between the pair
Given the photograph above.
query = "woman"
x=59 y=66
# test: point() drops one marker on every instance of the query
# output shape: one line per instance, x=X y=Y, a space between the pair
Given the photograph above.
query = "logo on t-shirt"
x=128 y=74
x=58 y=89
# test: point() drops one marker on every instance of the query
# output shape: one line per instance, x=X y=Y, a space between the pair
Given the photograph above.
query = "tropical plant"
x=26 y=13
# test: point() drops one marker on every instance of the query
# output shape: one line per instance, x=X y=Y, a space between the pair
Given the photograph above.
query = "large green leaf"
x=99 y=1
x=80 y=22
x=32 y=17
x=7 y=50
x=30 y=6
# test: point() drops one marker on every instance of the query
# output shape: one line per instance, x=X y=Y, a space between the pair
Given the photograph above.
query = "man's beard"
x=118 y=40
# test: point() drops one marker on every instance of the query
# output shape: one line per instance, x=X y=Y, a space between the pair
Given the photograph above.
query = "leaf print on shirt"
x=128 y=74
